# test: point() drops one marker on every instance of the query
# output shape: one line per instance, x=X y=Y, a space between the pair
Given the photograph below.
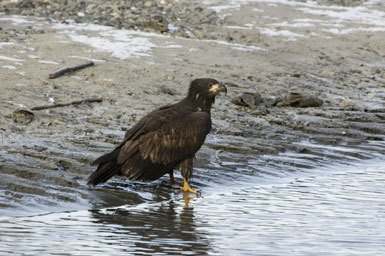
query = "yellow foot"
x=186 y=188
x=174 y=181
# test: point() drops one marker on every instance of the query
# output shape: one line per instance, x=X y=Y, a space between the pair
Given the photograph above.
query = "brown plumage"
x=163 y=140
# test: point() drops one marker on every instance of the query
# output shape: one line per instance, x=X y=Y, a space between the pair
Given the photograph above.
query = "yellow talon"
x=186 y=188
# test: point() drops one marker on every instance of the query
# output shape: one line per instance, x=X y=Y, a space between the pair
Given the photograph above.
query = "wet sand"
x=268 y=47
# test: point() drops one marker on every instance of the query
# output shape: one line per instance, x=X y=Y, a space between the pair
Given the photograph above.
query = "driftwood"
x=62 y=71
x=219 y=161
x=76 y=102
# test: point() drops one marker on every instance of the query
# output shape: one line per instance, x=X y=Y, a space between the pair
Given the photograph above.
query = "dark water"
x=253 y=206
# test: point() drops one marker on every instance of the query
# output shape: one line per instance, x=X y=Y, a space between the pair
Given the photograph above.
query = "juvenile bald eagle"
x=163 y=140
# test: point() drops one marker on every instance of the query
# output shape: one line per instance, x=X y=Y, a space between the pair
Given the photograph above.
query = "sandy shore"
x=268 y=47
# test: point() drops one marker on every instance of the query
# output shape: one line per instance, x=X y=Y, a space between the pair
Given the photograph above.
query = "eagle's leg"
x=173 y=180
x=186 y=187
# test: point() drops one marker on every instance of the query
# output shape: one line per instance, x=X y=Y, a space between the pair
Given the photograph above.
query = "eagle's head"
x=202 y=92
x=205 y=88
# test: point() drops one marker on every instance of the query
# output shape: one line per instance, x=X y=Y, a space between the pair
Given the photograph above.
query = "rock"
x=259 y=112
x=10 y=3
x=148 y=4
x=298 y=100
x=247 y=99
x=23 y=116
x=166 y=90
x=159 y=23
x=59 y=122
x=328 y=73
x=347 y=3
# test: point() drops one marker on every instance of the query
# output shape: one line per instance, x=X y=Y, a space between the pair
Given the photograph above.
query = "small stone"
x=298 y=100
x=23 y=116
x=166 y=90
x=247 y=99
x=328 y=73
x=56 y=121
x=158 y=23
x=259 y=112
x=346 y=104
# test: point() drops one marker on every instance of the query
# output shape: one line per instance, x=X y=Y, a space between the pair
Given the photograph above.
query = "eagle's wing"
x=176 y=140
x=165 y=139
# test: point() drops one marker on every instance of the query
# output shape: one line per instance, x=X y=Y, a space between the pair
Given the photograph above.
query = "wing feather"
x=176 y=140
x=161 y=140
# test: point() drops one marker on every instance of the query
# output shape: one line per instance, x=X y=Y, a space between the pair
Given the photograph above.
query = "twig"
x=76 y=102
x=62 y=71
x=217 y=156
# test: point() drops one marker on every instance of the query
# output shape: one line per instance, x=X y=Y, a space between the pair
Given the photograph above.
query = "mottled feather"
x=163 y=140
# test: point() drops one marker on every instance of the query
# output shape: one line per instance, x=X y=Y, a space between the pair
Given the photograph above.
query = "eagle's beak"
x=217 y=88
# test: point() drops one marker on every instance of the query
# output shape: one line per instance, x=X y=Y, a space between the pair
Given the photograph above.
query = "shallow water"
x=335 y=209
x=323 y=196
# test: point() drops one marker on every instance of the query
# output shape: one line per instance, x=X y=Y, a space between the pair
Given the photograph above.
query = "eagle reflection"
x=159 y=226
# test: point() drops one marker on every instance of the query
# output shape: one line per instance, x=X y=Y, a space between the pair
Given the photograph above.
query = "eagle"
x=164 y=140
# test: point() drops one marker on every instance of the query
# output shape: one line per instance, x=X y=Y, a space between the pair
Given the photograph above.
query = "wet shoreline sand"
x=267 y=49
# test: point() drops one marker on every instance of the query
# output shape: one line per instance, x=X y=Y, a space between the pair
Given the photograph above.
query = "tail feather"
x=107 y=157
x=108 y=167
x=103 y=173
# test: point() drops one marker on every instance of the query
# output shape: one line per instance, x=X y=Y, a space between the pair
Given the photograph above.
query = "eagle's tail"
x=107 y=168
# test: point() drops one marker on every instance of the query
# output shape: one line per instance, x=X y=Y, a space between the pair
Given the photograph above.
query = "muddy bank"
x=45 y=161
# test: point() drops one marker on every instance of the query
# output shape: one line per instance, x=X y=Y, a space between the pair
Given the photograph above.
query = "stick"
x=217 y=156
x=76 y=102
x=62 y=71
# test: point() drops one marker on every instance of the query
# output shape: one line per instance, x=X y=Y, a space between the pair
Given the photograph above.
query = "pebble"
x=188 y=18
x=247 y=99
x=23 y=116
x=298 y=100
x=167 y=90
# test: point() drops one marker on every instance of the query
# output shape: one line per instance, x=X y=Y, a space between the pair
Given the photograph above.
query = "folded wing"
x=165 y=140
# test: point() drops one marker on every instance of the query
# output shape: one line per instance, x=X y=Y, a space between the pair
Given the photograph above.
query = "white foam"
x=353 y=30
x=126 y=48
x=237 y=46
x=125 y=44
x=16 y=21
x=293 y=25
x=360 y=14
x=33 y=56
x=172 y=28
x=307 y=20
x=86 y=58
x=337 y=16
x=220 y=8
x=257 y=10
x=10 y=59
x=49 y=62
x=172 y=46
x=8 y=67
x=284 y=33
x=80 y=26
x=2 y=44
x=120 y=43
x=237 y=27
x=105 y=30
